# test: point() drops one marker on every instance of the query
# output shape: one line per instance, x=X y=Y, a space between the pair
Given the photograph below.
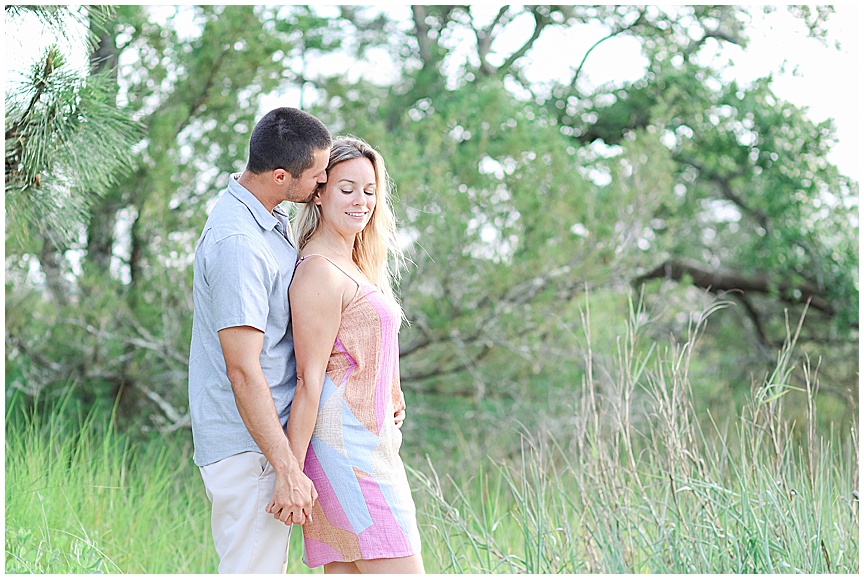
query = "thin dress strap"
x=351 y=277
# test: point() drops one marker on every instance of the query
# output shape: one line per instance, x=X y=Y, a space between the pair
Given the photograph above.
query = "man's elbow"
x=239 y=378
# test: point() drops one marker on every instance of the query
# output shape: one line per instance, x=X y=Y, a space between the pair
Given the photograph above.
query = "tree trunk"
x=100 y=233
x=52 y=266
x=100 y=229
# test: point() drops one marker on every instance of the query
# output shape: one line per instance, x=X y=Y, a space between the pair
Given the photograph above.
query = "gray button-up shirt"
x=243 y=266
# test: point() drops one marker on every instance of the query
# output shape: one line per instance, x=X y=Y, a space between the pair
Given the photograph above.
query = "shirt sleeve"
x=240 y=278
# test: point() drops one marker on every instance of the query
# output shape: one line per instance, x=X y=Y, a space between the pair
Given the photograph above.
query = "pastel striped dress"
x=364 y=508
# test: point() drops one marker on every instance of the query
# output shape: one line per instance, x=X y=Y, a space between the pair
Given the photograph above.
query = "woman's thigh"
x=412 y=564
x=341 y=568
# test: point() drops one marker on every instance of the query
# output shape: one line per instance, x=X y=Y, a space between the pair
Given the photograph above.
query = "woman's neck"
x=334 y=242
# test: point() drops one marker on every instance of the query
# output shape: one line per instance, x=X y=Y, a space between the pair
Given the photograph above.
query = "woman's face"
x=347 y=200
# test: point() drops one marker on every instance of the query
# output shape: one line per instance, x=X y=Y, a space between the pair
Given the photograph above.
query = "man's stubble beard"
x=293 y=193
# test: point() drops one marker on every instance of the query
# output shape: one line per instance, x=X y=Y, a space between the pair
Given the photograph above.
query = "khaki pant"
x=247 y=539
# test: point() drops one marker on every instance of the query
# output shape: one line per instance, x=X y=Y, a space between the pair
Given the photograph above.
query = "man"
x=242 y=373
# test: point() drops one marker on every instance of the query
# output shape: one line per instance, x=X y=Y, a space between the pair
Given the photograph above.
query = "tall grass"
x=652 y=490
x=83 y=498
x=634 y=482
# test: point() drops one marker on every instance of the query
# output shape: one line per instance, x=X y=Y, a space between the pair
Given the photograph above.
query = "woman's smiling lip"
x=355 y=213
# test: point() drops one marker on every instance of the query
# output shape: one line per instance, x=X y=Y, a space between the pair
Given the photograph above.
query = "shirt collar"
x=264 y=218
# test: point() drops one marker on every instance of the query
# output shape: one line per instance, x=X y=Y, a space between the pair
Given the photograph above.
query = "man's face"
x=301 y=189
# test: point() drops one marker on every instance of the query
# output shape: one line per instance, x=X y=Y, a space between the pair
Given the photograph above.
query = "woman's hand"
x=399 y=417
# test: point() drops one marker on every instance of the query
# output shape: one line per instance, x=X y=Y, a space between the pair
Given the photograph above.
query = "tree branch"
x=540 y=22
x=203 y=95
x=41 y=85
x=51 y=261
x=457 y=367
x=722 y=181
x=485 y=36
x=639 y=20
x=717 y=281
x=754 y=317
x=146 y=340
x=719 y=35
x=418 y=13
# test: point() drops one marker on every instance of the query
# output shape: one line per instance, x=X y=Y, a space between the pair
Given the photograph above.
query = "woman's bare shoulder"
x=317 y=278
x=315 y=269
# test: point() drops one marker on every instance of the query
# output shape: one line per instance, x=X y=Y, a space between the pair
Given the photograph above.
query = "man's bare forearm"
x=255 y=404
x=304 y=414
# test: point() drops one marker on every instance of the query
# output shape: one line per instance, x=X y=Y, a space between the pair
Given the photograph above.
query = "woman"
x=348 y=407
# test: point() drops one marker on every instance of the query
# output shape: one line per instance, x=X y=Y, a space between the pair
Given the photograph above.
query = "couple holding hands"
x=294 y=385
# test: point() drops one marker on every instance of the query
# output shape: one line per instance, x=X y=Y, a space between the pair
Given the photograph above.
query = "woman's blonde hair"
x=376 y=250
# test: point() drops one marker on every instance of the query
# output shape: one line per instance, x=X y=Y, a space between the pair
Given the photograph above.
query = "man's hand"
x=293 y=497
x=399 y=417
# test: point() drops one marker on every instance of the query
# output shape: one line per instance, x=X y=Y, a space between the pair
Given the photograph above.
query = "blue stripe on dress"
x=359 y=442
x=327 y=390
x=345 y=486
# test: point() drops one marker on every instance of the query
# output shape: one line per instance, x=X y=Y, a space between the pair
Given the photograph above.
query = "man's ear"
x=280 y=176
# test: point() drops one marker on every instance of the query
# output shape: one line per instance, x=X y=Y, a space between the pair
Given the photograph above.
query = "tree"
x=515 y=198
x=724 y=188
x=196 y=94
x=66 y=145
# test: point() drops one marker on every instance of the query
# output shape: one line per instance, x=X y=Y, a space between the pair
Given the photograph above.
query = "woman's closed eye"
x=350 y=191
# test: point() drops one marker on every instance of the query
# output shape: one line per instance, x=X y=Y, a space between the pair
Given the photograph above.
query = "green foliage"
x=798 y=212
x=66 y=143
x=515 y=198
x=754 y=192
x=62 y=20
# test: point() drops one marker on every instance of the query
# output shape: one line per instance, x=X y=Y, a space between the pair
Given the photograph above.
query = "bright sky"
x=820 y=77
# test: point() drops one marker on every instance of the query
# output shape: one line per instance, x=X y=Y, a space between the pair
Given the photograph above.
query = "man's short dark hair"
x=286 y=138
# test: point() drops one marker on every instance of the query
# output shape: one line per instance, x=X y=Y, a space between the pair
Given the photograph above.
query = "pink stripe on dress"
x=318 y=551
x=384 y=379
x=384 y=538
x=351 y=362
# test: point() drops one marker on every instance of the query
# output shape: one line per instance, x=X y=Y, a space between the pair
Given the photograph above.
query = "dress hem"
x=395 y=556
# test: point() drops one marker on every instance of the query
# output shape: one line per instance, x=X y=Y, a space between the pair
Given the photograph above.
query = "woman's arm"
x=398 y=401
x=316 y=295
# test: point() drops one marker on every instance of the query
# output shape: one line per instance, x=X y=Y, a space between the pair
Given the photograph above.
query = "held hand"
x=293 y=497
x=399 y=417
